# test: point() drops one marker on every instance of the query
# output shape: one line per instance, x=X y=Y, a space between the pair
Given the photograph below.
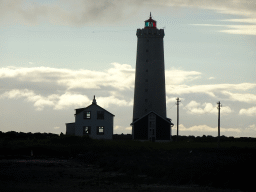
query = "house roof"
x=70 y=123
x=165 y=119
x=93 y=103
x=82 y=109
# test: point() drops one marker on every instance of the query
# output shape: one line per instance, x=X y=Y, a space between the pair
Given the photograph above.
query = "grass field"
x=228 y=166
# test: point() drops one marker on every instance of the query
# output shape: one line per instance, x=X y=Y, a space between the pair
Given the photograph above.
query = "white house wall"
x=107 y=123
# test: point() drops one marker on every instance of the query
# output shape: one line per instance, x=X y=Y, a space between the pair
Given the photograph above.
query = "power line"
x=171 y=106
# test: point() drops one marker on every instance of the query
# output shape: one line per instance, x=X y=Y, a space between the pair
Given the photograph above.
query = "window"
x=146 y=90
x=146 y=100
x=150 y=24
x=146 y=50
x=100 y=130
x=146 y=80
x=146 y=70
x=86 y=130
x=146 y=60
x=146 y=110
x=87 y=115
x=153 y=133
x=100 y=114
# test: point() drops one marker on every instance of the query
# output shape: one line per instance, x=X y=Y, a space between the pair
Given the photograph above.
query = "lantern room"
x=150 y=23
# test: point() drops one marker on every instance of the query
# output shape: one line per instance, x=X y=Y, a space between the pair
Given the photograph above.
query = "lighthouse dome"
x=150 y=23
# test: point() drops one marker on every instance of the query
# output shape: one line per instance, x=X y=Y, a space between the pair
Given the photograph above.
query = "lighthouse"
x=149 y=110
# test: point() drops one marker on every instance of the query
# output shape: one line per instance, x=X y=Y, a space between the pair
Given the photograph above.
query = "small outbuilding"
x=93 y=121
x=152 y=127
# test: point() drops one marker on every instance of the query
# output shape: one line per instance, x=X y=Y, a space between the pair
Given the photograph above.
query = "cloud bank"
x=250 y=111
x=197 y=108
x=81 y=12
x=63 y=88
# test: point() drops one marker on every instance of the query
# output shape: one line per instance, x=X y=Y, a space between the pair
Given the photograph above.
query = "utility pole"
x=177 y=116
x=219 y=106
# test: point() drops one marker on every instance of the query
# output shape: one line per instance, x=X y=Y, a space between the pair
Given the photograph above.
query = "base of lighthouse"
x=152 y=127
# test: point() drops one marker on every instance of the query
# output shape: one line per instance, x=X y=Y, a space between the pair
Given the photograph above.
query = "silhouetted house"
x=93 y=121
x=152 y=127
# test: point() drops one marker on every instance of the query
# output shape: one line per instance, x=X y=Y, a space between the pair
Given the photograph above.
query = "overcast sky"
x=55 y=55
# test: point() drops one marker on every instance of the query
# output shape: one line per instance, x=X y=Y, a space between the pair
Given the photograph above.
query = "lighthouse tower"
x=149 y=91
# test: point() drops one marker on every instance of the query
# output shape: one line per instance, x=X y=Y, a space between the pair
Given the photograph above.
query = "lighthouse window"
x=147 y=24
x=150 y=24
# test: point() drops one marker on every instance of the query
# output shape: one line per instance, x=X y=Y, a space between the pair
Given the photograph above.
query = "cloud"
x=39 y=101
x=128 y=128
x=80 y=12
x=207 y=89
x=117 y=127
x=248 y=131
x=248 y=98
x=250 y=111
x=172 y=99
x=63 y=101
x=111 y=100
x=62 y=88
x=64 y=12
x=236 y=7
x=251 y=128
x=247 y=20
x=71 y=99
x=120 y=76
x=205 y=128
x=197 y=108
x=176 y=77
x=239 y=29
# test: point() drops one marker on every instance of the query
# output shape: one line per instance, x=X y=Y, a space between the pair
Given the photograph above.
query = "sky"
x=56 y=55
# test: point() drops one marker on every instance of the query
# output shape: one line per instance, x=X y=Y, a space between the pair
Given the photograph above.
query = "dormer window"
x=87 y=115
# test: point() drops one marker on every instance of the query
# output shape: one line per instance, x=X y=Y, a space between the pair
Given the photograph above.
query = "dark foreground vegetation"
x=190 y=161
